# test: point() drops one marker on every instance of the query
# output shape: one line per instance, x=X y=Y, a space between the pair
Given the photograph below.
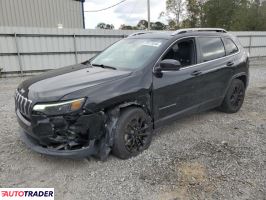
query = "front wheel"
x=234 y=97
x=133 y=133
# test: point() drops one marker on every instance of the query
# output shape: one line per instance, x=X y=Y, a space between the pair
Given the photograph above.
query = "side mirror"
x=170 y=65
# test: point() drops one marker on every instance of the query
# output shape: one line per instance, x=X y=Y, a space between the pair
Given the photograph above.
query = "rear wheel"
x=133 y=133
x=234 y=97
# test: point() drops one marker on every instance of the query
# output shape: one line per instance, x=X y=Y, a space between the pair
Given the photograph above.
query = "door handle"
x=229 y=64
x=196 y=73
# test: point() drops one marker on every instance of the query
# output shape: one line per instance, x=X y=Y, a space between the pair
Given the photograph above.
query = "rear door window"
x=211 y=48
x=230 y=46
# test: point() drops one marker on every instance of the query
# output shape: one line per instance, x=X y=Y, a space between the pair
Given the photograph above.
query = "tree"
x=263 y=16
x=109 y=26
x=194 y=13
x=219 y=13
x=258 y=15
x=100 y=26
x=172 y=25
x=127 y=27
x=242 y=17
x=234 y=15
x=158 y=26
x=142 y=25
x=105 y=26
x=174 y=11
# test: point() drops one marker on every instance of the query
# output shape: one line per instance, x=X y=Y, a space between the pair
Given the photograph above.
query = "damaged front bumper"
x=75 y=136
x=75 y=154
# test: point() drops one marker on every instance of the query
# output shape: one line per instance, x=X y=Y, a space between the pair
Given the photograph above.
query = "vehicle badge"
x=22 y=91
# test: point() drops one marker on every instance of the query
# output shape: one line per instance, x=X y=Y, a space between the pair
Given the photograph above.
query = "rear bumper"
x=74 y=154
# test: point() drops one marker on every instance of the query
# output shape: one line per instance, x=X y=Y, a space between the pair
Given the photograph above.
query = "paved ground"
x=206 y=156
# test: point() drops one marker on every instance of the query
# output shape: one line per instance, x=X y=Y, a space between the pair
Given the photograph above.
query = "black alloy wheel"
x=234 y=97
x=136 y=134
x=237 y=96
x=133 y=133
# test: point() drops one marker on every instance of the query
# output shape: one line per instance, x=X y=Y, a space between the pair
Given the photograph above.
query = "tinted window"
x=211 y=48
x=182 y=51
x=230 y=46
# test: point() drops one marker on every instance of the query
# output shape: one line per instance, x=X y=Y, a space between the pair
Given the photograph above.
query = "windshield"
x=128 y=54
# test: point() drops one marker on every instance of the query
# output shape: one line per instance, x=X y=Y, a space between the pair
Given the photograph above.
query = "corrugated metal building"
x=42 y=13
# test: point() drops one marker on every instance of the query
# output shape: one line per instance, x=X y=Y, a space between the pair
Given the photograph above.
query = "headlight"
x=60 y=107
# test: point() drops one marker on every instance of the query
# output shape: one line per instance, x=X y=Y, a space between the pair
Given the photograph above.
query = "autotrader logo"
x=27 y=193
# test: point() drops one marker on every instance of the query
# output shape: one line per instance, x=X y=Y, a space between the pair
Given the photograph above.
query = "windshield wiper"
x=103 y=66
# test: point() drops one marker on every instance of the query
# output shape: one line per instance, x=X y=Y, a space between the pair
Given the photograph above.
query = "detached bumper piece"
x=74 y=154
x=71 y=136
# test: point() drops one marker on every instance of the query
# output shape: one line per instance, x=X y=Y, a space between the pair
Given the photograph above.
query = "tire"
x=133 y=133
x=234 y=97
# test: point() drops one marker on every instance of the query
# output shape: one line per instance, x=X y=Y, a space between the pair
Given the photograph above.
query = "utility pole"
x=149 y=14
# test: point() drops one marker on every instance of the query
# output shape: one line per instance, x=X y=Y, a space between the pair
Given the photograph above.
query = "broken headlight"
x=60 y=108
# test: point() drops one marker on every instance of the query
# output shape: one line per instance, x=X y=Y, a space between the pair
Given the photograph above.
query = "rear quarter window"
x=211 y=48
x=230 y=46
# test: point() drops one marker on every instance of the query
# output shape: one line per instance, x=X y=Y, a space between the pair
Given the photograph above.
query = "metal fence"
x=24 y=50
x=253 y=42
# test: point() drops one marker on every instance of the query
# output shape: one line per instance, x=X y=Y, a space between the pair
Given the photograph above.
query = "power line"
x=106 y=8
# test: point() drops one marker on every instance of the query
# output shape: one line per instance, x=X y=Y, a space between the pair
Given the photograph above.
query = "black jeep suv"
x=113 y=102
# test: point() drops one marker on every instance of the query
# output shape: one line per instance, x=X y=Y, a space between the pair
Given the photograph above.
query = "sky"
x=129 y=12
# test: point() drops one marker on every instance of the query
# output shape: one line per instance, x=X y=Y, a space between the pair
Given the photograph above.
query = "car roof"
x=179 y=33
x=152 y=35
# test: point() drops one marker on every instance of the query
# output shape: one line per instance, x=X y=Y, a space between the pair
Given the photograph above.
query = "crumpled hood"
x=53 y=85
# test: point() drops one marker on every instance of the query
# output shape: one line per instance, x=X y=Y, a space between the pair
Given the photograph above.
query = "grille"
x=23 y=104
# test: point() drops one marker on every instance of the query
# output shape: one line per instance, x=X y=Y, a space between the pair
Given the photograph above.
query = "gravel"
x=211 y=155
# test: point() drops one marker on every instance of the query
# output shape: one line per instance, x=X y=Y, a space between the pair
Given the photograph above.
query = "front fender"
x=135 y=88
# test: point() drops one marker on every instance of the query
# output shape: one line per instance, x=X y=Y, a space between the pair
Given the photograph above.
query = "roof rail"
x=181 y=31
x=138 y=33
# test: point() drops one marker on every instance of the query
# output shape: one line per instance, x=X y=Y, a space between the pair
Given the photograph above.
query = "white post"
x=149 y=14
